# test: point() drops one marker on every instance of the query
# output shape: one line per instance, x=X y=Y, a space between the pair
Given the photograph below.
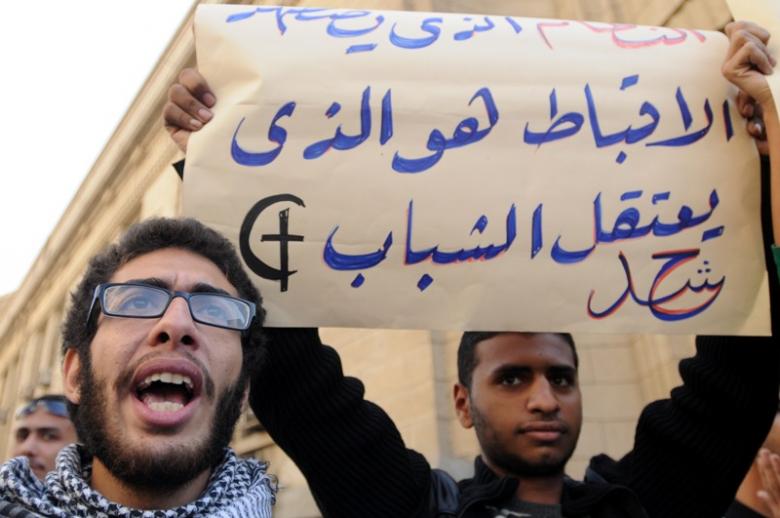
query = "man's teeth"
x=167 y=377
x=164 y=406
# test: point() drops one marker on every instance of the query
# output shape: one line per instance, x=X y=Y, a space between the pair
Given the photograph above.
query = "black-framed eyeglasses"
x=138 y=300
x=57 y=406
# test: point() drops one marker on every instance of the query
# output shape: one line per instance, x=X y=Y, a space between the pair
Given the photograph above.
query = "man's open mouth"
x=165 y=391
x=167 y=386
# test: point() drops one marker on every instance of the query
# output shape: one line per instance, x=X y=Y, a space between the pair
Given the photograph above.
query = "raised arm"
x=692 y=449
x=747 y=64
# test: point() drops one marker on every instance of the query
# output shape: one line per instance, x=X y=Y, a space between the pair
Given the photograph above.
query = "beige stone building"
x=408 y=373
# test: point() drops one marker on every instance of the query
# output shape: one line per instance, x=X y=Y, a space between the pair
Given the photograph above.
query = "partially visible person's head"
x=41 y=429
x=157 y=376
x=521 y=394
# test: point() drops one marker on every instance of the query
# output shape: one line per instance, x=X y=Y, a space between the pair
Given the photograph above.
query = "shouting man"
x=158 y=346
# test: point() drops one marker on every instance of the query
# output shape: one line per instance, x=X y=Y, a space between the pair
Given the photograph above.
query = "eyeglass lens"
x=131 y=300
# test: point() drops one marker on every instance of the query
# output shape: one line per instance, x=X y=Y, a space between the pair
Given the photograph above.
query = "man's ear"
x=71 y=370
x=460 y=396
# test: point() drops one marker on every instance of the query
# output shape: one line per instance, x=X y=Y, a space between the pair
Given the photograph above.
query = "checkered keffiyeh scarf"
x=237 y=488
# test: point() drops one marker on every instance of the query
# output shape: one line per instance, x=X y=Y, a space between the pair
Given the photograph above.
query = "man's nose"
x=542 y=397
x=175 y=327
x=28 y=448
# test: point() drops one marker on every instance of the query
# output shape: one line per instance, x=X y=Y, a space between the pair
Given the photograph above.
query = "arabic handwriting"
x=542 y=26
x=310 y=14
x=334 y=30
x=676 y=37
x=668 y=303
x=468 y=34
x=275 y=134
x=343 y=261
x=627 y=226
x=629 y=135
x=467 y=132
x=537 y=238
x=470 y=130
x=347 y=24
x=386 y=131
x=464 y=254
x=727 y=120
x=358 y=281
x=643 y=37
x=572 y=123
x=340 y=140
x=428 y=25
x=658 y=305
x=690 y=138
x=712 y=233
x=514 y=24
x=425 y=281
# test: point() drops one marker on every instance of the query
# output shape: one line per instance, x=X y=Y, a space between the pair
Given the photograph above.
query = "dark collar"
x=578 y=499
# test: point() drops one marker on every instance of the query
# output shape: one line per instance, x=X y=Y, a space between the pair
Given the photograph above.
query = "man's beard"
x=511 y=463
x=145 y=468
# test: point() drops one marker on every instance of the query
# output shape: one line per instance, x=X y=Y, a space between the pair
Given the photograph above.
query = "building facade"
x=408 y=373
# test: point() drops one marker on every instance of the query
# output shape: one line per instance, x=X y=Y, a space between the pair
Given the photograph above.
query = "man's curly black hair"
x=148 y=236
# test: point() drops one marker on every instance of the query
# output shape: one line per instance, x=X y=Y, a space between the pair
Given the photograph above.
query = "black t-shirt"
x=519 y=509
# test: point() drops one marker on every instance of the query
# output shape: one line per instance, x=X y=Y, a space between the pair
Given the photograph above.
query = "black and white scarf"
x=236 y=488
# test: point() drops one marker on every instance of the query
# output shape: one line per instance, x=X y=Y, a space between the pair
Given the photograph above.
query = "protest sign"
x=445 y=171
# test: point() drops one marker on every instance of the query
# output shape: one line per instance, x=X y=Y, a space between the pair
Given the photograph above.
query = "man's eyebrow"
x=513 y=368
x=151 y=281
x=203 y=287
x=562 y=369
x=47 y=429
x=509 y=368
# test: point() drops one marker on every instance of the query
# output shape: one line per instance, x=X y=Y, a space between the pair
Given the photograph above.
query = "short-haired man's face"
x=160 y=400
x=40 y=436
x=524 y=403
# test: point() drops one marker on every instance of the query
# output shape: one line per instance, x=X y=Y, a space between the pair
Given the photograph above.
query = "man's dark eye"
x=562 y=380
x=513 y=379
x=50 y=436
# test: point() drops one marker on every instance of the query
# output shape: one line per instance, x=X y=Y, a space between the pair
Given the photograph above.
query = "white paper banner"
x=444 y=171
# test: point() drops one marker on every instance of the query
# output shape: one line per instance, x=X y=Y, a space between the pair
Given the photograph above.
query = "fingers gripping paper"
x=423 y=170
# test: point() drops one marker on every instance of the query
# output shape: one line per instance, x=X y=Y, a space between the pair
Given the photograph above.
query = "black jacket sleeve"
x=692 y=450
x=349 y=450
